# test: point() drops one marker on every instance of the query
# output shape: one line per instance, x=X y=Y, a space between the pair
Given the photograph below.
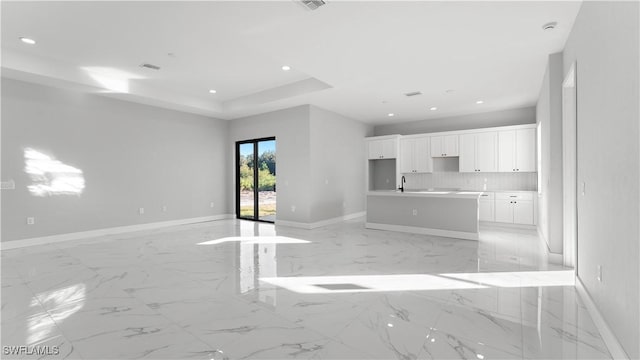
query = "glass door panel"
x=256 y=179
x=246 y=189
x=267 y=180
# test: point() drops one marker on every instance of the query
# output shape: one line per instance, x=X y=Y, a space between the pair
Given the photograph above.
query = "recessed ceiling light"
x=550 y=25
x=27 y=40
x=433 y=108
x=391 y=114
x=212 y=91
x=286 y=68
x=479 y=102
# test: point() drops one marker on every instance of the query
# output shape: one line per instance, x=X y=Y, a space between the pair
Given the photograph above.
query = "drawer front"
x=487 y=196
x=514 y=196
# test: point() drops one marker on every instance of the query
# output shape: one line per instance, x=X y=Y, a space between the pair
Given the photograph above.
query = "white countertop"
x=461 y=194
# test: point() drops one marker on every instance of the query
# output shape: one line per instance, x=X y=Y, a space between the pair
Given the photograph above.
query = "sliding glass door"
x=256 y=179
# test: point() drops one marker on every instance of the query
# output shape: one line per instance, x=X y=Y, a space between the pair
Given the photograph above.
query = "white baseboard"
x=614 y=346
x=15 y=244
x=317 y=224
x=424 y=231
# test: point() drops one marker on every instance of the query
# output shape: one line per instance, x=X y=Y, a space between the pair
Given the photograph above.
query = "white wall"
x=465 y=122
x=549 y=117
x=293 y=180
x=604 y=43
x=320 y=157
x=131 y=156
x=337 y=164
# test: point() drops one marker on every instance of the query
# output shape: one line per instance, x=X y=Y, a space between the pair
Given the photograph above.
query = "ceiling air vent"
x=150 y=66
x=414 y=93
x=312 y=4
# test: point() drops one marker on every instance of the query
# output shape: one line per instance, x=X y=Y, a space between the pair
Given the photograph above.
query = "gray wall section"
x=337 y=164
x=293 y=180
x=549 y=116
x=131 y=156
x=464 y=122
x=607 y=73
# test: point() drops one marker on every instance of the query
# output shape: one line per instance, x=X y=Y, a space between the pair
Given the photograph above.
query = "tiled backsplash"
x=473 y=181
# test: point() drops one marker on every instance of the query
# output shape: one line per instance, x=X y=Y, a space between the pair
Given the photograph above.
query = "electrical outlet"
x=599 y=273
x=584 y=188
x=141 y=211
x=326 y=181
x=415 y=212
x=31 y=221
x=387 y=181
x=293 y=208
x=164 y=208
x=212 y=204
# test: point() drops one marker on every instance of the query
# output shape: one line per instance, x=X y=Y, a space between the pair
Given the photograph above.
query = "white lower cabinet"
x=523 y=212
x=514 y=208
x=486 y=207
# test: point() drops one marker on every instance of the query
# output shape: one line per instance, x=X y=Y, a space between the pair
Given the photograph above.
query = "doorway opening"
x=256 y=179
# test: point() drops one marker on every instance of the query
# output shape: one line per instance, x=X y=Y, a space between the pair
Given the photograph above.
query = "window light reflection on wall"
x=50 y=176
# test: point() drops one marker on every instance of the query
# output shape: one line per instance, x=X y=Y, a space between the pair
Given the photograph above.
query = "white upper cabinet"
x=526 y=150
x=468 y=153
x=478 y=152
x=383 y=149
x=415 y=156
x=517 y=150
x=444 y=146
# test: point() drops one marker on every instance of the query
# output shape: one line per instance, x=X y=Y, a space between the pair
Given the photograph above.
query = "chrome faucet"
x=402 y=181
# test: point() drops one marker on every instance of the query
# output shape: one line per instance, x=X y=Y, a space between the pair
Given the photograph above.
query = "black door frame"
x=256 y=209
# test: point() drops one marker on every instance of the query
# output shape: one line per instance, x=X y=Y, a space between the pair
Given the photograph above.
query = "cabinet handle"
x=513 y=195
x=517 y=169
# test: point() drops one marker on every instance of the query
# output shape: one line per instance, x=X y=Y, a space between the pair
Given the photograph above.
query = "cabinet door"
x=437 y=146
x=523 y=212
x=389 y=149
x=406 y=156
x=423 y=163
x=468 y=153
x=451 y=145
x=375 y=149
x=485 y=208
x=525 y=150
x=486 y=151
x=506 y=151
x=504 y=211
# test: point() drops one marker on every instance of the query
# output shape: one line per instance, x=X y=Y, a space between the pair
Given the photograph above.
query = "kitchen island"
x=450 y=213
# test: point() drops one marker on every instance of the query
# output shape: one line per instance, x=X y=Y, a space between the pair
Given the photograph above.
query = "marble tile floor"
x=241 y=290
